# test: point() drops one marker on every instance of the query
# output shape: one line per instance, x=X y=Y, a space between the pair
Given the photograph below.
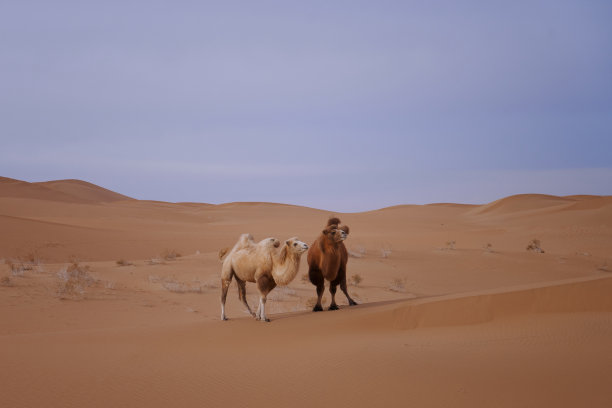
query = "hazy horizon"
x=348 y=106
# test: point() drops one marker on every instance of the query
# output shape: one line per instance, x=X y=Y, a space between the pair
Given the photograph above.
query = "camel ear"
x=345 y=228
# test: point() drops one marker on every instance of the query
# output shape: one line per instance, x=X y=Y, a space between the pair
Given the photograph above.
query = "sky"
x=339 y=105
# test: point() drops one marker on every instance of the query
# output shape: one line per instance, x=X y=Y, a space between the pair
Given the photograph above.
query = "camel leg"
x=264 y=284
x=242 y=294
x=225 y=284
x=332 y=291
x=343 y=288
x=316 y=278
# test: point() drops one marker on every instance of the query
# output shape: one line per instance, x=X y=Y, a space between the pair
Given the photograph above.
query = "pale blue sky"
x=342 y=105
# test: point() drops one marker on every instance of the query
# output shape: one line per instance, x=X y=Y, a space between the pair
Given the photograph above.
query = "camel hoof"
x=333 y=307
x=317 y=308
x=352 y=303
x=266 y=320
x=224 y=318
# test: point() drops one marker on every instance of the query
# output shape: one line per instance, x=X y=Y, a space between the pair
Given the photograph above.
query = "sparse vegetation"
x=488 y=247
x=356 y=279
x=535 y=246
x=170 y=255
x=123 y=262
x=73 y=280
x=155 y=261
x=17 y=268
x=173 y=285
x=450 y=245
x=357 y=251
x=385 y=252
x=398 y=285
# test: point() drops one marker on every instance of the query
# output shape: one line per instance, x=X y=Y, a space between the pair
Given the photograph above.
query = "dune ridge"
x=569 y=296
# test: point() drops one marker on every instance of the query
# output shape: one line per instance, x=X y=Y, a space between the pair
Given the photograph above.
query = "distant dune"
x=453 y=309
x=58 y=190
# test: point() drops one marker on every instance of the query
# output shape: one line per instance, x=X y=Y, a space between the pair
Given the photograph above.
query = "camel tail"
x=222 y=253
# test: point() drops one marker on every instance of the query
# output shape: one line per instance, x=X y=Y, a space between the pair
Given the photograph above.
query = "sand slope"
x=454 y=311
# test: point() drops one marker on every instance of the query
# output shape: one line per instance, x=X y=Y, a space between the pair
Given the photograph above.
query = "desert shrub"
x=73 y=280
x=123 y=262
x=450 y=245
x=32 y=258
x=535 y=246
x=6 y=281
x=385 y=252
x=16 y=267
x=155 y=261
x=398 y=285
x=356 y=279
x=170 y=255
x=176 y=286
x=488 y=247
x=357 y=251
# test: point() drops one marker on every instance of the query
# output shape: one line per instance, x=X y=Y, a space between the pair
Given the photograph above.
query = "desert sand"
x=453 y=310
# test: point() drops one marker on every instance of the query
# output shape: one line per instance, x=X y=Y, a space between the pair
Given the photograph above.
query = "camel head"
x=336 y=234
x=296 y=246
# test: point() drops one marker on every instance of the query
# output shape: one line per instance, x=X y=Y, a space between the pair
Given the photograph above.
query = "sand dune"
x=83 y=190
x=454 y=311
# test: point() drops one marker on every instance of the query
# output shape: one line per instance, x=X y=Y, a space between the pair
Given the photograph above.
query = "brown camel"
x=263 y=263
x=327 y=261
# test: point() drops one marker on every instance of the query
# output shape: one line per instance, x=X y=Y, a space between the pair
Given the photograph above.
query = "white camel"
x=263 y=263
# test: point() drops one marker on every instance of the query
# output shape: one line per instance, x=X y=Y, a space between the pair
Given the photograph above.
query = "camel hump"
x=333 y=221
x=222 y=253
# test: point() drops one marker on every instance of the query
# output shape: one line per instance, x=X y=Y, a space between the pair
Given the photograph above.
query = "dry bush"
x=385 y=252
x=32 y=258
x=6 y=281
x=356 y=279
x=357 y=251
x=170 y=255
x=535 y=246
x=398 y=285
x=123 y=262
x=176 y=286
x=488 y=247
x=155 y=261
x=73 y=280
x=16 y=267
x=450 y=245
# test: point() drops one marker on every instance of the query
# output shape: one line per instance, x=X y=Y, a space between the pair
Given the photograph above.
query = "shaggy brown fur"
x=263 y=263
x=327 y=261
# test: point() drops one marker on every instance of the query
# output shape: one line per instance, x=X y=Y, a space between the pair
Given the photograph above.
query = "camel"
x=327 y=261
x=263 y=263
